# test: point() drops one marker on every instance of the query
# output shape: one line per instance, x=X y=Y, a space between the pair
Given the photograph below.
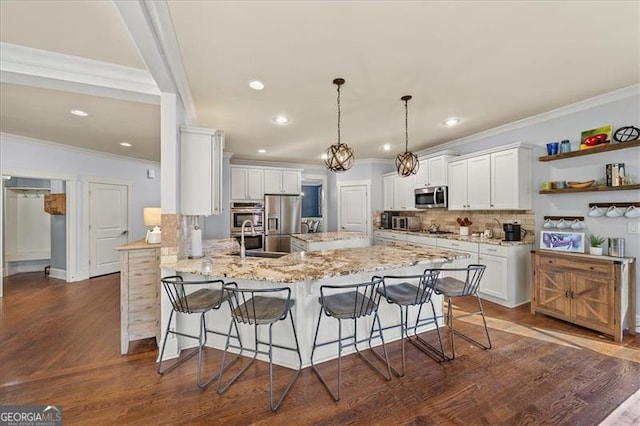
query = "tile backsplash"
x=481 y=219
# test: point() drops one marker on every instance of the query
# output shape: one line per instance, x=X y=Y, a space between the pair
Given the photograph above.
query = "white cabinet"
x=278 y=181
x=433 y=171
x=507 y=277
x=469 y=183
x=422 y=240
x=498 y=180
x=247 y=183
x=403 y=192
x=386 y=238
x=387 y=192
x=511 y=179
x=201 y=170
x=466 y=247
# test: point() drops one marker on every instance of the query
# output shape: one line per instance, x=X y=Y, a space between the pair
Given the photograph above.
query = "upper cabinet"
x=498 y=180
x=433 y=171
x=247 y=183
x=282 y=181
x=252 y=182
x=387 y=192
x=201 y=170
x=403 y=192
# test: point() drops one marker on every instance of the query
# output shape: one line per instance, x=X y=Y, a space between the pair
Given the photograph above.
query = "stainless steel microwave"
x=431 y=197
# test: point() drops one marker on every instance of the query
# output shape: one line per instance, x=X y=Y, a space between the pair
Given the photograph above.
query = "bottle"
x=565 y=146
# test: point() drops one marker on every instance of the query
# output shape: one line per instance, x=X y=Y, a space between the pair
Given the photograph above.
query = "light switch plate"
x=633 y=228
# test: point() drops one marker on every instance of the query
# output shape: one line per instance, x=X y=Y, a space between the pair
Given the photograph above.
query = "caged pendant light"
x=407 y=162
x=339 y=155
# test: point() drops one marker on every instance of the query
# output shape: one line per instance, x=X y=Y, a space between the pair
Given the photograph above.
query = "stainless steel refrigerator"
x=283 y=214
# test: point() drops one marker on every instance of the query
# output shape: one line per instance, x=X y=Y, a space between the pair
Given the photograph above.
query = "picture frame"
x=595 y=137
x=562 y=241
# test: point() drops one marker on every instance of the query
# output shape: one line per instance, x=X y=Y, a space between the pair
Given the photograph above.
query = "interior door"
x=108 y=226
x=353 y=214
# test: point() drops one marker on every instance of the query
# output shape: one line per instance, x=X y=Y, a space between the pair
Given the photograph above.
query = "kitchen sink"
x=260 y=253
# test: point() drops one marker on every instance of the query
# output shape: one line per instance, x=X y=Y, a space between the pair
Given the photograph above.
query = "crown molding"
x=69 y=148
x=150 y=26
x=616 y=95
x=52 y=70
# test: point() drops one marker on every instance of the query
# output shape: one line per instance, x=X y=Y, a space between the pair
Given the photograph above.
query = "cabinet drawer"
x=395 y=236
x=494 y=250
x=577 y=265
x=142 y=330
x=422 y=240
x=458 y=245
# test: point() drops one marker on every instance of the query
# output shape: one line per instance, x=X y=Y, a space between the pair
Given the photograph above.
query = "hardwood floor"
x=60 y=345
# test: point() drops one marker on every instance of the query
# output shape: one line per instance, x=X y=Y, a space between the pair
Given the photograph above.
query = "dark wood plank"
x=60 y=345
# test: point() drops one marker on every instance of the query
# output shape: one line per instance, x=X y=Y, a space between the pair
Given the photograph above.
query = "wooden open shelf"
x=590 y=189
x=604 y=148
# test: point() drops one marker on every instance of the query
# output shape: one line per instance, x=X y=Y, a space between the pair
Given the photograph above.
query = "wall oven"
x=431 y=197
x=241 y=211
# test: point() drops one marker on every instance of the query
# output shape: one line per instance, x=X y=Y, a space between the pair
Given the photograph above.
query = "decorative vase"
x=596 y=251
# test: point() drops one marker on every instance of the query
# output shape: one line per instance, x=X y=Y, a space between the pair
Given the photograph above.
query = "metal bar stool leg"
x=297 y=373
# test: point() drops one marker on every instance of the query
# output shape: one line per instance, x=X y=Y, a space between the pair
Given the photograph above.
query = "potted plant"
x=596 y=244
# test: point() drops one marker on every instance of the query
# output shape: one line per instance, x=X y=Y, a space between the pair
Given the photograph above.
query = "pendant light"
x=407 y=162
x=339 y=155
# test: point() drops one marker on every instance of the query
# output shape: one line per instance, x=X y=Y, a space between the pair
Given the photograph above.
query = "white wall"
x=568 y=123
x=18 y=152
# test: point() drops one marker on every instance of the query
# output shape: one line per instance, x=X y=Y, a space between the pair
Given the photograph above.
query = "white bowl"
x=595 y=211
x=632 y=212
x=577 y=225
x=613 y=211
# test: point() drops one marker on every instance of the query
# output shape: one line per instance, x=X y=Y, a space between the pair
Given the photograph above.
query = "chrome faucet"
x=253 y=234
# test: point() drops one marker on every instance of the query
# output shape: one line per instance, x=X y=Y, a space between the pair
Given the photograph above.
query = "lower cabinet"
x=139 y=293
x=590 y=291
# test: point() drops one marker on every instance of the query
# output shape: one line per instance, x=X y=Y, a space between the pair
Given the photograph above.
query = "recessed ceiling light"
x=127 y=144
x=79 y=112
x=281 y=119
x=256 y=84
x=386 y=147
x=451 y=122
x=262 y=151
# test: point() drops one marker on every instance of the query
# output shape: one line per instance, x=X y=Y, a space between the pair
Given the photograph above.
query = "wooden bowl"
x=585 y=184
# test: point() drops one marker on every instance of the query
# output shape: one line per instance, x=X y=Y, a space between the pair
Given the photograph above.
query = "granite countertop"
x=330 y=236
x=138 y=245
x=304 y=266
x=529 y=239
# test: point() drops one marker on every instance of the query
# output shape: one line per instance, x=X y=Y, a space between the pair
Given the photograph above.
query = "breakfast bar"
x=304 y=273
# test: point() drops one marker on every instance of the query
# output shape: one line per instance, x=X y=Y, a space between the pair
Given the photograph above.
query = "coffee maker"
x=513 y=232
x=386 y=221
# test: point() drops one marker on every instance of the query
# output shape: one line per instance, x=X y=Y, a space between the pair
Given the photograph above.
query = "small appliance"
x=616 y=247
x=386 y=220
x=405 y=223
x=513 y=232
x=431 y=197
x=247 y=210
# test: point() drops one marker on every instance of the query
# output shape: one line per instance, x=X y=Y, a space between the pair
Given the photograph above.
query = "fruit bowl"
x=585 y=184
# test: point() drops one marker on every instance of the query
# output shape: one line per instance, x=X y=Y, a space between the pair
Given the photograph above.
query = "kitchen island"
x=329 y=241
x=304 y=273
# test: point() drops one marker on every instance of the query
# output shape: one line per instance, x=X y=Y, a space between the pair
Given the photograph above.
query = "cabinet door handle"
x=566 y=294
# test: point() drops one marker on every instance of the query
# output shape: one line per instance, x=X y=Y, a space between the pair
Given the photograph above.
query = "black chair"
x=200 y=302
x=260 y=307
x=451 y=287
x=350 y=302
x=412 y=290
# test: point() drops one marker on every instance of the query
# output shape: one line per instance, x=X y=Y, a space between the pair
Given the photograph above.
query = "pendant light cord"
x=339 y=113
x=406 y=126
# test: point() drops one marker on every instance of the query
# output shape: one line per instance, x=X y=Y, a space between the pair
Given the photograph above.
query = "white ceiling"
x=487 y=63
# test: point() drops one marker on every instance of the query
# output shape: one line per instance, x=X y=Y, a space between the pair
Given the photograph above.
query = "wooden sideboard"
x=597 y=292
x=139 y=292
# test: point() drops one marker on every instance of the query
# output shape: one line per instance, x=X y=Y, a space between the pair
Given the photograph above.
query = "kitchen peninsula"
x=329 y=241
x=304 y=273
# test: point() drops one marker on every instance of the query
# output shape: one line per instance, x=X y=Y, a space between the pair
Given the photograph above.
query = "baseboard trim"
x=637 y=324
x=60 y=274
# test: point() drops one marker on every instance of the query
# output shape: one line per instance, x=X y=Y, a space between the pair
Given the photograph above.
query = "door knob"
x=125 y=232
